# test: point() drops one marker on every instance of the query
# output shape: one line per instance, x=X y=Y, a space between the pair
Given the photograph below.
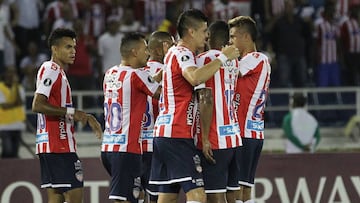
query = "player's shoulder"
x=255 y=57
x=51 y=66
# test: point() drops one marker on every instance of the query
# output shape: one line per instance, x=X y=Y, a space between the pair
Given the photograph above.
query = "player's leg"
x=74 y=196
x=54 y=196
x=167 y=197
x=196 y=195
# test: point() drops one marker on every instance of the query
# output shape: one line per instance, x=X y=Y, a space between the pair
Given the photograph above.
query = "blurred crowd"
x=310 y=42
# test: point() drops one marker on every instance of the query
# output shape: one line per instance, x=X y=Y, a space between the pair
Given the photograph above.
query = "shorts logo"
x=197 y=163
x=136 y=189
x=185 y=58
x=79 y=176
x=47 y=82
x=198 y=182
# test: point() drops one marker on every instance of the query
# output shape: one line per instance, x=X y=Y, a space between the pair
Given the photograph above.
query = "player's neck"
x=157 y=59
x=58 y=62
x=186 y=44
x=129 y=63
x=249 y=49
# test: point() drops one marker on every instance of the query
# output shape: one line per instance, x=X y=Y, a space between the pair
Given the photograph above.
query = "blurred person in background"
x=326 y=36
x=301 y=129
x=350 y=41
x=12 y=119
x=289 y=37
x=108 y=46
x=30 y=64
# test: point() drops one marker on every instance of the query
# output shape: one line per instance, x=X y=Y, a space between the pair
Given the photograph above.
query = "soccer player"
x=158 y=44
x=126 y=88
x=224 y=135
x=176 y=162
x=250 y=97
x=61 y=170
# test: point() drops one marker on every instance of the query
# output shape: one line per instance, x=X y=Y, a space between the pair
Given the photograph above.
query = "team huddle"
x=174 y=120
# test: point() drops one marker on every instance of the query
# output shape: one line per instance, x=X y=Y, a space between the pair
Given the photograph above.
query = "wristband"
x=70 y=111
x=222 y=58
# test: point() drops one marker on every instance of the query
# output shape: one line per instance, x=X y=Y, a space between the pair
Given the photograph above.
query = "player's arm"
x=41 y=105
x=196 y=76
x=205 y=99
x=158 y=76
x=157 y=93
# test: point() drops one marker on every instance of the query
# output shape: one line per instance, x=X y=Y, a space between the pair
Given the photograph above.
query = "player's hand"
x=81 y=117
x=208 y=152
x=307 y=148
x=95 y=126
x=231 y=52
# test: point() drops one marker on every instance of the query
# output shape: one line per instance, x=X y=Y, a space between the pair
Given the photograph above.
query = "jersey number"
x=113 y=116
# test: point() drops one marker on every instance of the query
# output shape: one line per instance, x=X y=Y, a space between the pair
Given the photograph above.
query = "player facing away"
x=126 y=87
x=176 y=163
x=61 y=170
x=159 y=42
x=250 y=97
x=224 y=135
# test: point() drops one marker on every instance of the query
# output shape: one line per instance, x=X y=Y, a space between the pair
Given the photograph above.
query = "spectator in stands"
x=326 y=50
x=12 y=119
x=66 y=20
x=108 y=46
x=30 y=64
x=350 y=40
x=300 y=128
x=289 y=37
x=53 y=12
x=93 y=13
x=5 y=33
x=27 y=28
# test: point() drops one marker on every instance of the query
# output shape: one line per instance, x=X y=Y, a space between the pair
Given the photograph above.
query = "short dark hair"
x=59 y=33
x=247 y=23
x=299 y=100
x=157 y=37
x=189 y=19
x=130 y=41
x=218 y=34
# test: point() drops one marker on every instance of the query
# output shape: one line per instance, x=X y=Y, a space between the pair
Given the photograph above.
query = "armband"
x=70 y=111
x=222 y=58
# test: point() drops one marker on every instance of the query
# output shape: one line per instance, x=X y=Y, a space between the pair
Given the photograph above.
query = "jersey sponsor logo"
x=185 y=58
x=62 y=129
x=255 y=125
x=42 y=138
x=47 y=82
x=111 y=94
x=190 y=113
x=112 y=83
x=114 y=139
x=226 y=130
x=163 y=120
x=147 y=134
x=136 y=189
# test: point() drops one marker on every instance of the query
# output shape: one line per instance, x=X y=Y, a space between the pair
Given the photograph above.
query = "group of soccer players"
x=201 y=130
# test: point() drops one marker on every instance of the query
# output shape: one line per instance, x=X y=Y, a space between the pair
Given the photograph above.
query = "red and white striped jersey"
x=177 y=107
x=350 y=35
x=151 y=112
x=224 y=130
x=125 y=93
x=342 y=7
x=53 y=10
x=251 y=94
x=224 y=11
x=54 y=134
x=326 y=34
